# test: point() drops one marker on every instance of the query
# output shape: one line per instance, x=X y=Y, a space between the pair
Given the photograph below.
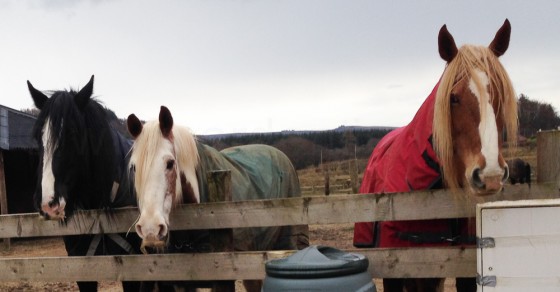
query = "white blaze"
x=154 y=204
x=488 y=130
x=47 y=181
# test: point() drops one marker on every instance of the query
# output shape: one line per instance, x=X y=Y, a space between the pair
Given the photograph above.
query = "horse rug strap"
x=431 y=238
x=93 y=245
x=118 y=239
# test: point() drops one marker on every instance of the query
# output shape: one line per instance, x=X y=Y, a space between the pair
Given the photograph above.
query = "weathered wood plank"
x=383 y=263
x=83 y=222
x=548 y=156
x=421 y=263
x=219 y=190
x=277 y=212
x=221 y=240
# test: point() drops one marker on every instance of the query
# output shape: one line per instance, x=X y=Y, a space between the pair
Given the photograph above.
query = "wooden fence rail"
x=410 y=262
x=413 y=262
x=292 y=211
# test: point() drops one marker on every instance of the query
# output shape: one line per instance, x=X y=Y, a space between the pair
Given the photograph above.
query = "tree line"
x=310 y=148
x=314 y=147
x=535 y=116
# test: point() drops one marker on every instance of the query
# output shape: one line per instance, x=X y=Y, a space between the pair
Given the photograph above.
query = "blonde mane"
x=468 y=59
x=145 y=150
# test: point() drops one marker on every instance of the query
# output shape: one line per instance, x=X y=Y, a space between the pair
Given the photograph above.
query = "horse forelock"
x=470 y=62
x=146 y=151
x=58 y=108
x=67 y=122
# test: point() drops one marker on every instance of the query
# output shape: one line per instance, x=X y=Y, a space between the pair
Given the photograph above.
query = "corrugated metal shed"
x=16 y=129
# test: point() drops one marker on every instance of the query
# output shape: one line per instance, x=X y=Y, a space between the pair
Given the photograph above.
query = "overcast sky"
x=261 y=66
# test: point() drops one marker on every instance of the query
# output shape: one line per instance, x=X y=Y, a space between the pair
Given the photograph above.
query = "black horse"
x=519 y=171
x=82 y=166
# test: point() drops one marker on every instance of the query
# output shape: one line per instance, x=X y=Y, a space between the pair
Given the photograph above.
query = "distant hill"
x=340 y=129
x=306 y=148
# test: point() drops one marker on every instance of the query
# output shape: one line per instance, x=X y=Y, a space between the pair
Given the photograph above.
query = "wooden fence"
x=393 y=262
x=409 y=262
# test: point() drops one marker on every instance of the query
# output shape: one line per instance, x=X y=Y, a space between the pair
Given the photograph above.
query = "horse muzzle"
x=484 y=185
x=153 y=235
x=53 y=210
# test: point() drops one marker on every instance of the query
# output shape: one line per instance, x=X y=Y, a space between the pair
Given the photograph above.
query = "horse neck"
x=122 y=193
x=121 y=147
x=102 y=163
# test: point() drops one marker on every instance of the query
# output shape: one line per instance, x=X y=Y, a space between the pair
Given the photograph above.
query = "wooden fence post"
x=3 y=196
x=327 y=182
x=353 y=169
x=221 y=240
x=548 y=156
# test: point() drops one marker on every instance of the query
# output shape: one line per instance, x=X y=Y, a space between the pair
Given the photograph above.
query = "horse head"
x=162 y=162
x=67 y=145
x=475 y=103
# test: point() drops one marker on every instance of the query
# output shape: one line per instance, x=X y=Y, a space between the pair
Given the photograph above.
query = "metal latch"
x=487 y=281
x=485 y=242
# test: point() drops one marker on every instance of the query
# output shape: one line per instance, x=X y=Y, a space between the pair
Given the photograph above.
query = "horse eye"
x=454 y=99
x=170 y=164
x=133 y=168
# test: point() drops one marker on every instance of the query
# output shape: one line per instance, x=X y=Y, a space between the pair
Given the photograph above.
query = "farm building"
x=18 y=161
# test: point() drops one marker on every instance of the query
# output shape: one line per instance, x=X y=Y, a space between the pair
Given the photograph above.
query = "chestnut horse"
x=169 y=167
x=454 y=141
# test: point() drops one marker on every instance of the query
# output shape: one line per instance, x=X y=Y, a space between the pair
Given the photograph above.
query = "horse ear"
x=165 y=121
x=500 y=43
x=446 y=45
x=38 y=97
x=134 y=126
x=84 y=95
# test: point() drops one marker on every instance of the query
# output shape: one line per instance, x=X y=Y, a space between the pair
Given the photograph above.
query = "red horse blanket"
x=403 y=161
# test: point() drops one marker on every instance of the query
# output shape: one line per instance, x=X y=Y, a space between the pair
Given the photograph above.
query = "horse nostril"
x=476 y=179
x=139 y=230
x=506 y=174
x=162 y=231
x=44 y=215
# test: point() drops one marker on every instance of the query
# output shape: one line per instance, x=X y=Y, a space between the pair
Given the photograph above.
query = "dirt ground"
x=334 y=235
x=44 y=247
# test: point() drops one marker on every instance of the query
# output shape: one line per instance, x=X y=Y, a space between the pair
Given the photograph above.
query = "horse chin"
x=485 y=190
x=58 y=216
x=149 y=246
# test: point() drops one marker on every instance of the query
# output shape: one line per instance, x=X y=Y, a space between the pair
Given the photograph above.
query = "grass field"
x=312 y=179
